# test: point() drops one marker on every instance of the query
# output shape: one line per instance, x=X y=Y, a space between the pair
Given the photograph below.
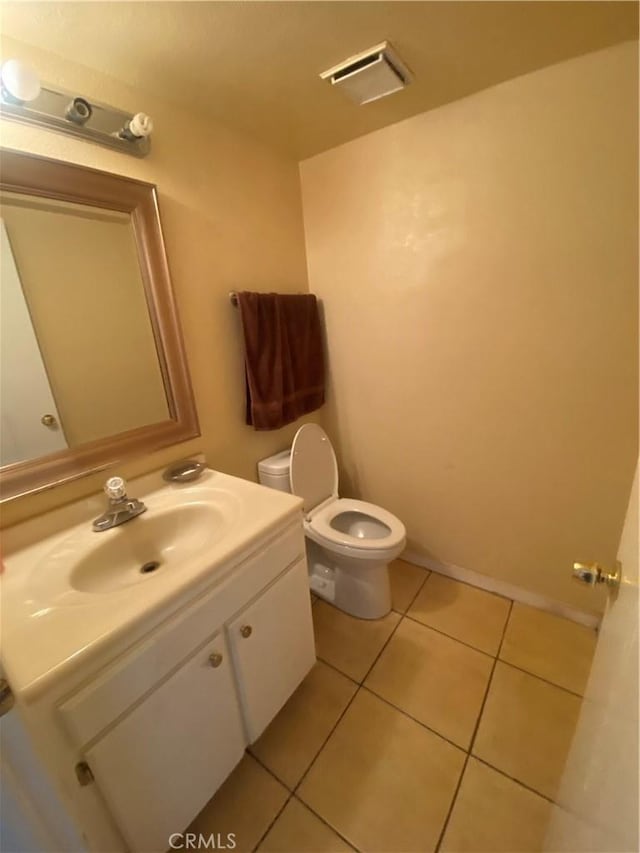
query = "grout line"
x=493 y=669
x=473 y=736
x=325 y=822
x=268 y=769
x=377 y=657
x=450 y=636
x=346 y=708
x=540 y=678
x=268 y=829
x=415 y=719
x=326 y=740
x=513 y=779
x=418 y=591
x=336 y=669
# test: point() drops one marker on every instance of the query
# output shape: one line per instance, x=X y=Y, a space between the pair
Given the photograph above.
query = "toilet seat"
x=313 y=470
x=320 y=527
x=371 y=533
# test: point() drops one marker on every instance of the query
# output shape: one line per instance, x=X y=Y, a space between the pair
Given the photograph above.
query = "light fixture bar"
x=65 y=112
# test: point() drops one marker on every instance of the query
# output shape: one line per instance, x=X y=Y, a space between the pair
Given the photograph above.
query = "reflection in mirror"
x=92 y=364
x=78 y=356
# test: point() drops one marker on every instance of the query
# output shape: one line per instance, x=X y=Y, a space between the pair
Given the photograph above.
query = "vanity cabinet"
x=163 y=726
x=272 y=646
x=159 y=765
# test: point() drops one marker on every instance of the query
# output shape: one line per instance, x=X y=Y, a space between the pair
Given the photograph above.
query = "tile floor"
x=442 y=727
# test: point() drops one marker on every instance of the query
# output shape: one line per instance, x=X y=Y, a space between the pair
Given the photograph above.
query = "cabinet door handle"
x=215 y=659
x=246 y=630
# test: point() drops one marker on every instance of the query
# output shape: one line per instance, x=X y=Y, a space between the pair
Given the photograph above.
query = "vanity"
x=144 y=659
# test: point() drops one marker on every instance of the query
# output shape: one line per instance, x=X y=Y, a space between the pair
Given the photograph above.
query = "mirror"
x=92 y=365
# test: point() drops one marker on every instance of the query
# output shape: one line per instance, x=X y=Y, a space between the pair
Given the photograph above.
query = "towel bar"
x=233 y=297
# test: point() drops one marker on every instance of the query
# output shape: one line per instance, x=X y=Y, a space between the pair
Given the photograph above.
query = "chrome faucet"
x=120 y=509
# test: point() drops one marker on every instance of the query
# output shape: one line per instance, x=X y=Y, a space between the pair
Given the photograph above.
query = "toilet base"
x=359 y=587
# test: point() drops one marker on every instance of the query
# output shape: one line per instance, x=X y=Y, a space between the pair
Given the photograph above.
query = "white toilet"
x=349 y=543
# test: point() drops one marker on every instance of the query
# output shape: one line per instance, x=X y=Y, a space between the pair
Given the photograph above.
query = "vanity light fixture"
x=23 y=98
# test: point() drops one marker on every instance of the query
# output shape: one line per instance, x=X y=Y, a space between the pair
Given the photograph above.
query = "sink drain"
x=149 y=567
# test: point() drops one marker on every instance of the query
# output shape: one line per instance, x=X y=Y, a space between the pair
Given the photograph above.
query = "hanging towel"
x=284 y=362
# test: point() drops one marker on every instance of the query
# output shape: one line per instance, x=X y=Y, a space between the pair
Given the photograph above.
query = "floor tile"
x=245 y=805
x=350 y=644
x=435 y=679
x=406 y=579
x=298 y=830
x=383 y=781
x=462 y=611
x=293 y=738
x=493 y=814
x=549 y=646
x=526 y=728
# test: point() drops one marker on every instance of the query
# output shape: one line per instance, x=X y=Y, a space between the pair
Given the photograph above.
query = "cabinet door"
x=159 y=766
x=273 y=648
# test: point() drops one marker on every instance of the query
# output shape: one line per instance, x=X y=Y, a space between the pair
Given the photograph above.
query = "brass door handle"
x=593 y=574
x=48 y=421
x=246 y=630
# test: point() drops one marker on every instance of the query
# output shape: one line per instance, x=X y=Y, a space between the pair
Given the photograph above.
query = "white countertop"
x=44 y=639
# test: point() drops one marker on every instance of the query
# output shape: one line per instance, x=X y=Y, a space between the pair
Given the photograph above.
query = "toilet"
x=349 y=543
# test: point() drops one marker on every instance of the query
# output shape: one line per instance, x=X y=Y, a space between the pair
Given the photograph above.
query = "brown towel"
x=284 y=361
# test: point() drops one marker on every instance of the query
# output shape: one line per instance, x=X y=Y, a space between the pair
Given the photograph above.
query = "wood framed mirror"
x=92 y=363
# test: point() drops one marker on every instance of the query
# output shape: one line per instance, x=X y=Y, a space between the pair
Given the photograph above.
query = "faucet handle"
x=115 y=488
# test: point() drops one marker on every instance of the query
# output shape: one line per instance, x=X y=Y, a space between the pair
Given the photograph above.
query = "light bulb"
x=137 y=127
x=141 y=125
x=19 y=82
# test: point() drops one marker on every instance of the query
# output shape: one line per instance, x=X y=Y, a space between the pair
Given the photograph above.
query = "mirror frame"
x=29 y=174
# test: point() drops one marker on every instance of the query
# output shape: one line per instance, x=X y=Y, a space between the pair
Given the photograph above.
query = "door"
x=26 y=394
x=33 y=815
x=273 y=647
x=599 y=793
x=165 y=760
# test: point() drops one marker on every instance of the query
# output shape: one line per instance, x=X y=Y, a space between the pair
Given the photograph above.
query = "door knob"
x=215 y=659
x=48 y=420
x=246 y=630
x=593 y=574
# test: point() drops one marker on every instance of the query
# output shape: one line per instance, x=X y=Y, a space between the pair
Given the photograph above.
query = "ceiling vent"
x=370 y=75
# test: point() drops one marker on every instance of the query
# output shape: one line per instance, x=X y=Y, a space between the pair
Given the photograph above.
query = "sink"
x=71 y=596
x=146 y=547
x=168 y=537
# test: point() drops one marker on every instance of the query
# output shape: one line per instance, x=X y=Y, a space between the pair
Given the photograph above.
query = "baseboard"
x=517 y=593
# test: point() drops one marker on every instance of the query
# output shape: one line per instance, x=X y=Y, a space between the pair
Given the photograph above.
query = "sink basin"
x=146 y=547
x=162 y=541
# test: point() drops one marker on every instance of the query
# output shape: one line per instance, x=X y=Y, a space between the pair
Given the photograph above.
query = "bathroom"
x=472 y=241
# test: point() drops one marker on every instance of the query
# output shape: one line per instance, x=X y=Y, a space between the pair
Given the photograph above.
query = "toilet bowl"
x=350 y=543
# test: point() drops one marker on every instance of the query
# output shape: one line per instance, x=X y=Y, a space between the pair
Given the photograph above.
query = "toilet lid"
x=314 y=472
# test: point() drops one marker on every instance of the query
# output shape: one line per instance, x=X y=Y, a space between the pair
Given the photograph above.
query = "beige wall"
x=478 y=266
x=81 y=278
x=232 y=219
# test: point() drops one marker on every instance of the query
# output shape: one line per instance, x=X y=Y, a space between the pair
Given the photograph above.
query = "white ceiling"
x=255 y=65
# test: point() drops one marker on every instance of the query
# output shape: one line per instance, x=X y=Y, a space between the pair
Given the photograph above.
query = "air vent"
x=370 y=75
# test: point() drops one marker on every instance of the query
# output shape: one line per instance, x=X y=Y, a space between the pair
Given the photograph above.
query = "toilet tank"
x=274 y=471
